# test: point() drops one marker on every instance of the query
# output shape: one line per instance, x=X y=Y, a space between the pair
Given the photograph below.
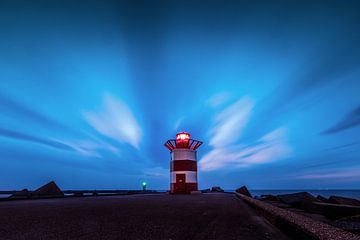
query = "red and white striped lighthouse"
x=183 y=163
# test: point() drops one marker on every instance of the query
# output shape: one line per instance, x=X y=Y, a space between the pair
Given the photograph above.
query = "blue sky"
x=89 y=92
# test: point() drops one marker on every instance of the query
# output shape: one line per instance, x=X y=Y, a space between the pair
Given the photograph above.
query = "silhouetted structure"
x=243 y=190
x=344 y=200
x=183 y=163
x=23 y=194
x=217 y=189
x=48 y=190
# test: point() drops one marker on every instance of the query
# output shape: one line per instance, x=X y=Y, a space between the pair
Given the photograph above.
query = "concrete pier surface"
x=157 y=216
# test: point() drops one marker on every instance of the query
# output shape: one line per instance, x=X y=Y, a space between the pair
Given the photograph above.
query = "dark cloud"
x=349 y=121
x=341 y=147
x=21 y=111
x=325 y=161
x=328 y=65
x=35 y=139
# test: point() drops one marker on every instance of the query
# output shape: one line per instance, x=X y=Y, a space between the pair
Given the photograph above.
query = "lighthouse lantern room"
x=183 y=163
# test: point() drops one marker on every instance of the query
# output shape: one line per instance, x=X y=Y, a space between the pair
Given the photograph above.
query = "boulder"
x=302 y=200
x=322 y=199
x=206 y=190
x=48 y=190
x=296 y=198
x=337 y=211
x=243 y=190
x=269 y=197
x=344 y=200
x=23 y=194
x=78 y=194
x=216 y=189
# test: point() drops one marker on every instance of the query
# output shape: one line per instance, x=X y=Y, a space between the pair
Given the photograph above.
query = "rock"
x=337 y=211
x=23 y=194
x=48 y=190
x=206 y=190
x=269 y=197
x=322 y=199
x=296 y=198
x=243 y=190
x=302 y=200
x=344 y=200
x=78 y=194
x=216 y=189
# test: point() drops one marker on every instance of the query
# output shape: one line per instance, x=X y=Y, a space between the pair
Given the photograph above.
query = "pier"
x=150 y=216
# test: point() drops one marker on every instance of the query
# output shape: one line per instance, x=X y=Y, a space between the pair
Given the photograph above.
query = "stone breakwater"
x=295 y=224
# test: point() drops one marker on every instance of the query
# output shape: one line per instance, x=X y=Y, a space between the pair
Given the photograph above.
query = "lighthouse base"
x=183 y=188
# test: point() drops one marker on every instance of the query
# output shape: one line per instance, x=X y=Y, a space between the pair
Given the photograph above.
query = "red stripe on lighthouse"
x=183 y=165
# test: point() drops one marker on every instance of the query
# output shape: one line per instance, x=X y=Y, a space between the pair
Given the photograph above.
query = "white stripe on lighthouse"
x=183 y=154
x=190 y=176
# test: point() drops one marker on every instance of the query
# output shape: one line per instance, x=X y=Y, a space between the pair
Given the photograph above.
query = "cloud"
x=84 y=147
x=91 y=148
x=349 y=121
x=30 y=138
x=226 y=131
x=178 y=123
x=353 y=173
x=18 y=110
x=156 y=172
x=323 y=67
x=229 y=124
x=219 y=99
x=269 y=148
x=115 y=120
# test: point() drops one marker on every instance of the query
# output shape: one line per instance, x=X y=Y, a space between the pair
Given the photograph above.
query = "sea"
x=5 y=195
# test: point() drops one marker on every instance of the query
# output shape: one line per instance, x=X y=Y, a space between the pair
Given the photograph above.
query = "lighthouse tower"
x=183 y=163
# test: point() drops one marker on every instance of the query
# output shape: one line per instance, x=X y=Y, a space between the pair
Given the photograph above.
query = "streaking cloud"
x=226 y=132
x=334 y=174
x=272 y=147
x=91 y=148
x=115 y=120
x=230 y=122
x=219 y=99
x=351 y=120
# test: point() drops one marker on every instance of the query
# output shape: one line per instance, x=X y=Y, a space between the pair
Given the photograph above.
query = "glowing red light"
x=182 y=136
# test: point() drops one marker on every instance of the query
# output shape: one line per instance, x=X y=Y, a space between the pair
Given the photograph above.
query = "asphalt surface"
x=158 y=216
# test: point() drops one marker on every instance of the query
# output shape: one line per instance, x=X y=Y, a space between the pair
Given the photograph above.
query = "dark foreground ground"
x=158 y=216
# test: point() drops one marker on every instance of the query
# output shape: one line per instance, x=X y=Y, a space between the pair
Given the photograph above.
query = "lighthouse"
x=183 y=163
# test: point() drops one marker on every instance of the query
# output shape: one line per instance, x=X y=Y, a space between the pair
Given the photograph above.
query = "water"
x=5 y=195
x=324 y=193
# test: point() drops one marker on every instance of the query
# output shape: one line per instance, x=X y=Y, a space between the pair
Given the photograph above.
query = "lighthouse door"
x=180 y=186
